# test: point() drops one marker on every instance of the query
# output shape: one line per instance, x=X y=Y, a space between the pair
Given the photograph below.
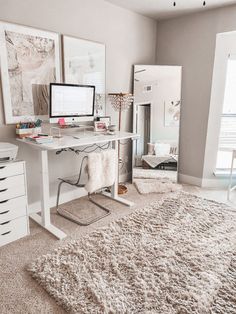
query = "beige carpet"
x=173 y=256
x=19 y=293
x=22 y=294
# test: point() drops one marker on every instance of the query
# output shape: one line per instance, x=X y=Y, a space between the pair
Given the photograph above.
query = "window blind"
x=228 y=131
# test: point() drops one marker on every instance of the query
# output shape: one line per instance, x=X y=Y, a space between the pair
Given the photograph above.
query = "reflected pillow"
x=162 y=149
x=174 y=150
x=151 y=149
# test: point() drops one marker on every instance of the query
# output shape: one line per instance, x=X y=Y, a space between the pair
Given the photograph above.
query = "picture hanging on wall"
x=30 y=60
x=85 y=63
x=172 y=113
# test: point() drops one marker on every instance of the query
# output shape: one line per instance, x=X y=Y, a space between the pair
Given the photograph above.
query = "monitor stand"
x=69 y=126
x=79 y=128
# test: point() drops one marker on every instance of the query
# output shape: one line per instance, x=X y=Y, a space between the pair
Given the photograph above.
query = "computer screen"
x=67 y=100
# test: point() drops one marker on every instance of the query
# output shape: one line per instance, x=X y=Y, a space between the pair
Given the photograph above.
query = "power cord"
x=88 y=149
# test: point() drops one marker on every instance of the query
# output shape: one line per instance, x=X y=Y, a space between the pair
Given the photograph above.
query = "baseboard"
x=220 y=182
x=183 y=178
x=64 y=197
x=216 y=182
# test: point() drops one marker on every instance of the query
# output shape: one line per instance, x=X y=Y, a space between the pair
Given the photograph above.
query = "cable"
x=87 y=149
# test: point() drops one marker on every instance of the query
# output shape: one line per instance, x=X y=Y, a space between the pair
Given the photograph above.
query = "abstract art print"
x=30 y=60
x=85 y=63
x=172 y=113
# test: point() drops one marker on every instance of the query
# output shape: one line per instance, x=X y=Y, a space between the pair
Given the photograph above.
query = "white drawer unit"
x=12 y=192
x=11 y=169
x=13 y=181
x=13 y=230
x=14 y=222
x=13 y=208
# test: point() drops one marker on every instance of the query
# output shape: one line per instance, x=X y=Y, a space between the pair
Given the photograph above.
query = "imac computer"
x=73 y=103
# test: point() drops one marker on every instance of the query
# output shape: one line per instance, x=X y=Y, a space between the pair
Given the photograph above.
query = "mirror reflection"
x=156 y=118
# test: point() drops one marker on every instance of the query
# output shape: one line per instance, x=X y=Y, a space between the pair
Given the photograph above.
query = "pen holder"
x=21 y=133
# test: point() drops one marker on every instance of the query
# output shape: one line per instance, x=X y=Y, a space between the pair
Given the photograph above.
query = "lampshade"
x=121 y=101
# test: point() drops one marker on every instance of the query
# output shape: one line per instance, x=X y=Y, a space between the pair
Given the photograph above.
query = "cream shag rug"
x=175 y=256
x=146 y=186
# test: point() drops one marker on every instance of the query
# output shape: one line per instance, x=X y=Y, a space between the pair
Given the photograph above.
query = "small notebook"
x=40 y=139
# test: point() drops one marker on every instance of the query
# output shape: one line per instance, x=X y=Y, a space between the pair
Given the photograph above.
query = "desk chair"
x=93 y=171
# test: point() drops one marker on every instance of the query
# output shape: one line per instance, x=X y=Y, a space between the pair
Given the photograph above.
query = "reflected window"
x=227 y=138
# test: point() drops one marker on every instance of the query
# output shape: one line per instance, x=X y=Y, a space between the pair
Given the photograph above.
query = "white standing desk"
x=72 y=140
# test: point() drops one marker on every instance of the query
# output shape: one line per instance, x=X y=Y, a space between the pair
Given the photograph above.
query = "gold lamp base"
x=122 y=189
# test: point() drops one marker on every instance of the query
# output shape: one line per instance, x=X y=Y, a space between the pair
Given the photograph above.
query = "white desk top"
x=80 y=139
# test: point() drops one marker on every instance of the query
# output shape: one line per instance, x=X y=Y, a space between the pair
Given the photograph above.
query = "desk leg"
x=44 y=220
x=114 y=191
x=45 y=198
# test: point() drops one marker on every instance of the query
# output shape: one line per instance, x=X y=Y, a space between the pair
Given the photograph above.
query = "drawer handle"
x=7 y=211
x=5 y=223
x=2 y=167
x=2 y=179
x=5 y=233
x=3 y=201
x=4 y=190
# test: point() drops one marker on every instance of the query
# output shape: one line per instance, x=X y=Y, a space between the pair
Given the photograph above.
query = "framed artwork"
x=100 y=126
x=30 y=60
x=105 y=119
x=172 y=113
x=85 y=63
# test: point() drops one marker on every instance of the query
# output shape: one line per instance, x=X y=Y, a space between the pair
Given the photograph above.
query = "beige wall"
x=130 y=39
x=190 y=41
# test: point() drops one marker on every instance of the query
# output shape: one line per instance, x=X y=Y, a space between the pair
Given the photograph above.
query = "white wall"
x=130 y=39
x=225 y=46
x=190 y=41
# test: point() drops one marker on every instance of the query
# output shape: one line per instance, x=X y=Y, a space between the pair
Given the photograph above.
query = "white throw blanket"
x=101 y=170
x=154 y=160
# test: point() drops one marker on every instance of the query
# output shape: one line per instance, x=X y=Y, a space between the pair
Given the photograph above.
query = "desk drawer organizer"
x=14 y=222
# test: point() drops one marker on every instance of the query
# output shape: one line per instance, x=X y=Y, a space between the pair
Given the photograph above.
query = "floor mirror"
x=156 y=118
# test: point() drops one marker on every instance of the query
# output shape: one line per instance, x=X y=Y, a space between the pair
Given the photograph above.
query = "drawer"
x=13 y=230
x=8 y=182
x=12 y=192
x=11 y=169
x=14 y=208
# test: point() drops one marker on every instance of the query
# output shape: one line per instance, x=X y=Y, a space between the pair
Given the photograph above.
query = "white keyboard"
x=88 y=134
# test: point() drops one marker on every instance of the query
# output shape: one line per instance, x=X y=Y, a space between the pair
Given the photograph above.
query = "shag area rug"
x=146 y=186
x=174 y=256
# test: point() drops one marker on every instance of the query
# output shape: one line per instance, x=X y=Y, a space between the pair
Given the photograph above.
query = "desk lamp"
x=121 y=102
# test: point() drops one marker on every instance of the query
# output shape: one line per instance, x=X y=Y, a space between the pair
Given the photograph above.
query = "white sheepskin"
x=101 y=170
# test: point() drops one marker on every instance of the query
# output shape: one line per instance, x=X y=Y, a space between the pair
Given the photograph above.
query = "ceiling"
x=161 y=9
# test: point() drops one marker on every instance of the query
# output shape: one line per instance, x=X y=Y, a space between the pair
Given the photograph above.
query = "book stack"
x=40 y=139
